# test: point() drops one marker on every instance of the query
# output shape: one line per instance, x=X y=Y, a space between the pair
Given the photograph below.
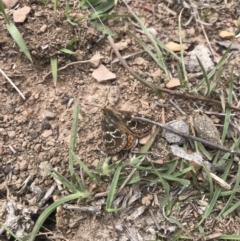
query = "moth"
x=120 y=131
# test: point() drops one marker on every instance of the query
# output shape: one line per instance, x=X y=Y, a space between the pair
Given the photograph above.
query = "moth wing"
x=140 y=128
x=113 y=139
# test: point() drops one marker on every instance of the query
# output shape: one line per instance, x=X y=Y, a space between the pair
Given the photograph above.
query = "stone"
x=102 y=74
x=9 y=3
x=20 y=15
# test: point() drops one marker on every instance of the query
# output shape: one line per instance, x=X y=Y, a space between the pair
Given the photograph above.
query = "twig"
x=124 y=63
x=209 y=143
x=193 y=97
x=13 y=85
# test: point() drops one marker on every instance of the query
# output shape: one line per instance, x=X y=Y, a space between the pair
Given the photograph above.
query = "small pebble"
x=37 y=147
x=10 y=109
x=33 y=133
x=46 y=125
x=46 y=133
x=11 y=134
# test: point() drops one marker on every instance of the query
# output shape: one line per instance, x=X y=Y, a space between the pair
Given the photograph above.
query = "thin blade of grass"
x=151 y=140
x=213 y=71
x=224 y=211
x=67 y=51
x=228 y=110
x=181 y=52
x=230 y=210
x=210 y=181
x=151 y=38
x=83 y=166
x=216 y=194
x=145 y=47
x=206 y=79
x=2 y=9
x=45 y=214
x=103 y=29
x=64 y=181
x=18 y=39
x=112 y=189
x=101 y=9
x=163 y=46
x=9 y=231
x=54 y=69
x=73 y=138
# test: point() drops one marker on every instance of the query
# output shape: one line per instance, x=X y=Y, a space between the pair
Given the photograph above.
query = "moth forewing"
x=120 y=131
x=113 y=139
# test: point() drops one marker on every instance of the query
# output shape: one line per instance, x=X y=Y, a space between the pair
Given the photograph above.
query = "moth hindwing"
x=120 y=131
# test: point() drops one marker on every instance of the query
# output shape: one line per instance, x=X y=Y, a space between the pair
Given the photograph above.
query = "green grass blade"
x=228 y=110
x=216 y=195
x=152 y=40
x=112 y=189
x=213 y=71
x=54 y=69
x=103 y=29
x=145 y=47
x=67 y=51
x=181 y=52
x=102 y=9
x=64 y=181
x=9 y=231
x=45 y=214
x=2 y=9
x=83 y=166
x=73 y=138
x=18 y=39
x=205 y=77
x=224 y=211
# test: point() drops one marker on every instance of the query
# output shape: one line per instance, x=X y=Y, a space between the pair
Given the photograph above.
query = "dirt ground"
x=35 y=133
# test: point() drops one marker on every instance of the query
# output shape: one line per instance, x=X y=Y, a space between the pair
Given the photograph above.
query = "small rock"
x=43 y=28
x=174 y=82
x=102 y=74
x=10 y=109
x=46 y=125
x=38 y=147
x=203 y=53
x=140 y=61
x=226 y=34
x=121 y=45
x=45 y=166
x=152 y=31
x=23 y=165
x=20 y=15
x=95 y=60
x=176 y=47
x=177 y=125
x=113 y=95
x=81 y=82
x=205 y=129
x=10 y=3
x=11 y=134
x=33 y=133
x=46 y=133
x=49 y=115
